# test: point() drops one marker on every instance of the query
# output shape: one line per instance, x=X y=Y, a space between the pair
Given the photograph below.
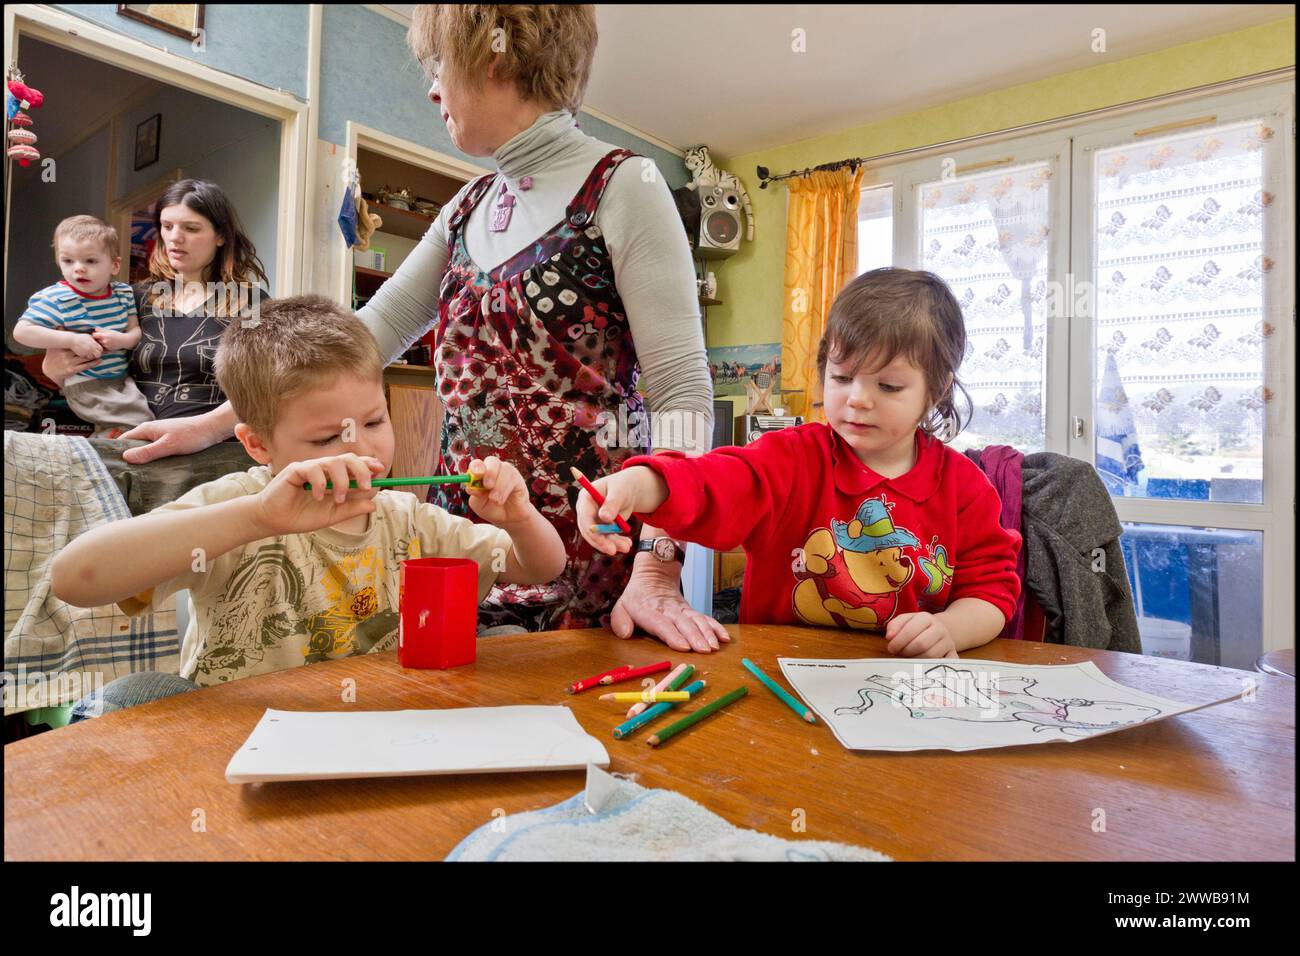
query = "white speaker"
x=719 y=223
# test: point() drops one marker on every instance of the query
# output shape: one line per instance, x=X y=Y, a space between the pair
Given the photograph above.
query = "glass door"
x=1181 y=365
x=991 y=223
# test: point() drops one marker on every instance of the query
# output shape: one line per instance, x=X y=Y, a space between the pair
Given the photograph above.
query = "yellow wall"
x=750 y=282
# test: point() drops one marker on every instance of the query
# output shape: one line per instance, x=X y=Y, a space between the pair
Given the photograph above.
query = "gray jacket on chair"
x=1075 y=565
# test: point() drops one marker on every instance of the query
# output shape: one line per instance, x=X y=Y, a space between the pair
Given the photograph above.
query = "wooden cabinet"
x=416 y=414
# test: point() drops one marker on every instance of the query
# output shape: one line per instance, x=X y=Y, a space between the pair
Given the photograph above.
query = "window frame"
x=1069 y=348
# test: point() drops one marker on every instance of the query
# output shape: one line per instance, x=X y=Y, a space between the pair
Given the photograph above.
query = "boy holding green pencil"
x=282 y=576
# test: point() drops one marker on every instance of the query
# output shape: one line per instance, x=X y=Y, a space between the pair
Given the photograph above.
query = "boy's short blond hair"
x=546 y=48
x=291 y=345
x=81 y=228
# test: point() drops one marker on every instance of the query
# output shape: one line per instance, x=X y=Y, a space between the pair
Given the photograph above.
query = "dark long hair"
x=235 y=263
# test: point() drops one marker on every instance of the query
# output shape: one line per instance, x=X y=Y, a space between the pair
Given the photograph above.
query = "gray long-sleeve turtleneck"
x=646 y=242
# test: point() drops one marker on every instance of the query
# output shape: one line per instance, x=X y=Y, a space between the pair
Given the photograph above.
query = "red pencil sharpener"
x=437 y=621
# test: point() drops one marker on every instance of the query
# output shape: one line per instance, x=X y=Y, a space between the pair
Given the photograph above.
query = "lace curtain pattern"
x=988 y=236
x=1181 y=226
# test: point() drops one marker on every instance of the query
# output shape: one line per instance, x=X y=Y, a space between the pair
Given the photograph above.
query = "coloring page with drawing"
x=904 y=704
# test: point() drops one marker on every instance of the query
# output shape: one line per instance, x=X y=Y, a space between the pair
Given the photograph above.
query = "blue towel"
x=617 y=820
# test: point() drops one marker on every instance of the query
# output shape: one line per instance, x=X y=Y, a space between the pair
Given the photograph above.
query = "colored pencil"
x=635 y=672
x=690 y=720
x=793 y=702
x=596 y=679
x=653 y=713
x=470 y=480
x=673 y=680
x=606 y=529
x=600 y=499
x=649 y=696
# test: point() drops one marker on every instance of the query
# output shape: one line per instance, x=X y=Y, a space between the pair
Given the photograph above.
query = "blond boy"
x=281 y=576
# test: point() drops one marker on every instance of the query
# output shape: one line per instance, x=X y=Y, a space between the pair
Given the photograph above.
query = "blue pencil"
x=640 y=720
x=789 y=699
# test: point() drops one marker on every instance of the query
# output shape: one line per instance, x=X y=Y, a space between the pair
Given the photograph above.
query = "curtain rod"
x=765 y=176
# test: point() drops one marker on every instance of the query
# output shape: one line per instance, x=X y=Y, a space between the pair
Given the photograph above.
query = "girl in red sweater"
x=866 y=521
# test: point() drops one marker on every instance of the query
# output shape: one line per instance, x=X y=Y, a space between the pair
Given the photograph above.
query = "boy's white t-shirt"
x=300 y=598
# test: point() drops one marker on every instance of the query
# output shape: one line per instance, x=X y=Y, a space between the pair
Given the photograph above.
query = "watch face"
x=665 y=550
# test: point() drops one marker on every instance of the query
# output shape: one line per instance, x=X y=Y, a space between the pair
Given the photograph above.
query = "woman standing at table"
x=589 y=285
x=203 y=270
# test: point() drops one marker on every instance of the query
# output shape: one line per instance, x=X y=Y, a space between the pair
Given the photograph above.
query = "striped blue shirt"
x=62 y=308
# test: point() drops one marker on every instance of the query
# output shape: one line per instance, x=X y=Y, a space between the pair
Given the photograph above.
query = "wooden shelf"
x=707 y=301
x=414 y=371
x=401 y=222
x=363 y=271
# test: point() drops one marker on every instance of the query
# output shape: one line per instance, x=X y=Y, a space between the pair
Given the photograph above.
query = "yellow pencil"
x=650 y=696
x=664 y=684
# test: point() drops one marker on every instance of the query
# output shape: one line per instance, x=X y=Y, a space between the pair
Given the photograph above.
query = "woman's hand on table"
x=653 y=602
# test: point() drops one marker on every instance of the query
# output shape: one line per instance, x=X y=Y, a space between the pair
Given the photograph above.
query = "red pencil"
x=600 y=499
x=598 y=679
x=617 y=677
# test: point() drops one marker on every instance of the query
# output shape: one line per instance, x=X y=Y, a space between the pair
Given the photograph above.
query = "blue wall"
x=262 y=42
x=367 y=73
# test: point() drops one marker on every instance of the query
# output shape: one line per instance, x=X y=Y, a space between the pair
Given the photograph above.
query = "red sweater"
x=830 y=542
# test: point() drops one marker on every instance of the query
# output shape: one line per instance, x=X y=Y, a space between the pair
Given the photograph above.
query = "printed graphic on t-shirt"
x=271 y=614
x=853 y=571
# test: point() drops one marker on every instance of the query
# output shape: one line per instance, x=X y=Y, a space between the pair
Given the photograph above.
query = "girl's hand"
x=919 y=634
x=285 y=507
x=620 y=491
x=503 y=499
x=86 y=346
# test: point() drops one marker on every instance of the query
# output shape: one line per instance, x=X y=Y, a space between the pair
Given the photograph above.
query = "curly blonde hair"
x=545 y=48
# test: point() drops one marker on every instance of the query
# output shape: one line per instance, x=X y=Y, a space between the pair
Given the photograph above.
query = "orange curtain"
x=821 y=256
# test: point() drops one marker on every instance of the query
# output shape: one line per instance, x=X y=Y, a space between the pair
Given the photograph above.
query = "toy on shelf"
x=20 y=97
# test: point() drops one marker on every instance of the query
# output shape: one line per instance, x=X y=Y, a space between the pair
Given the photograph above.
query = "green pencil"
x=399 y=482
x=689 y=720
x=794 y=703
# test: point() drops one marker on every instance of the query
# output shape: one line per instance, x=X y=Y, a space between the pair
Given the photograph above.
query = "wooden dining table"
x=147 y=783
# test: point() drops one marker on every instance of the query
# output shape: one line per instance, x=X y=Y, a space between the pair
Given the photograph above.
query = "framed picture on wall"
x=146 y=141
x=182 y=19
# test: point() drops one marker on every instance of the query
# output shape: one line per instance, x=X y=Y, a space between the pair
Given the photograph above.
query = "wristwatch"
x=665 y=549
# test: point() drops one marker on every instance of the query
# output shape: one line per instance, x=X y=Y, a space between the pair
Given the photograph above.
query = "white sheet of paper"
x=895 y=704
x=298 y=745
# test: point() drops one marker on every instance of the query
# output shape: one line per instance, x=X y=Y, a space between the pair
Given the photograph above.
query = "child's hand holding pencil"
x=500 y=495
x=612 y=500
x=284 y=507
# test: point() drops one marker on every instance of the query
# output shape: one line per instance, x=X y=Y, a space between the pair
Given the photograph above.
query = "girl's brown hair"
x=546 y=48
x=235 y=265
x=889 y=312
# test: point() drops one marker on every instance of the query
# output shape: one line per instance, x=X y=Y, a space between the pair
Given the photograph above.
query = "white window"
x=1129 y=299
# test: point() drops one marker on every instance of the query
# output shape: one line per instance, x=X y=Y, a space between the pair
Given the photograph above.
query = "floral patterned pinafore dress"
x=536 y=365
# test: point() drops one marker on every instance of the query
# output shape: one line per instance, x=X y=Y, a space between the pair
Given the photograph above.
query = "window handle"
x=1077 y=423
